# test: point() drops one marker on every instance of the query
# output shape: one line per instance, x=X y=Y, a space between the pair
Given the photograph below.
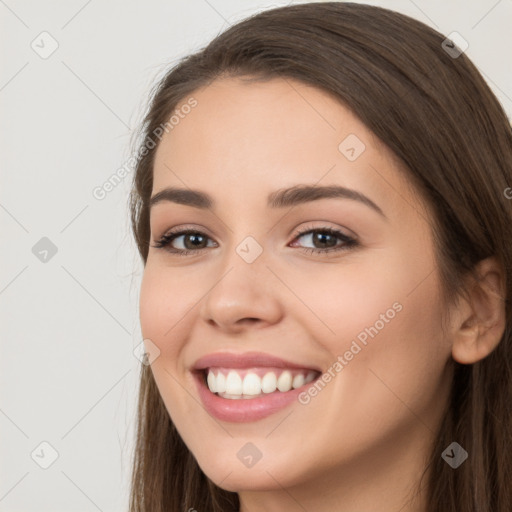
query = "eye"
x=185 y=242
x=325 y=239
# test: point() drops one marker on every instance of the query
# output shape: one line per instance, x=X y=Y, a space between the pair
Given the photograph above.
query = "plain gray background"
x=69 y=319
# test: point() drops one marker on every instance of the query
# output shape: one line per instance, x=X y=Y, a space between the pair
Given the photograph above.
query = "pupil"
x=195 y=239
x=324 y=238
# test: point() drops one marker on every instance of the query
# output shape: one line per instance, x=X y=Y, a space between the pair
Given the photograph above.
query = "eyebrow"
x=282 y=198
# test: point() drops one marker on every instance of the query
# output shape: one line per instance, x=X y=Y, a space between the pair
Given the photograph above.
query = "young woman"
x=322 y=202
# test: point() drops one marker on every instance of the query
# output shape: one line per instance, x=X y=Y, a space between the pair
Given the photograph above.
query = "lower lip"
x=244 y=409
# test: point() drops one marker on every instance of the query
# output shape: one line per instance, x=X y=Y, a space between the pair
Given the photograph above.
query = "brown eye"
x=325 y=240
x=183 y=242
x=194 y=241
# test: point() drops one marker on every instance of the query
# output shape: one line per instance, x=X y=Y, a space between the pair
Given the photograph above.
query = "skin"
x=362 y=442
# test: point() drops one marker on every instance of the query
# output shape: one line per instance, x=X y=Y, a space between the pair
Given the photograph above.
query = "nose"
x=244 y=295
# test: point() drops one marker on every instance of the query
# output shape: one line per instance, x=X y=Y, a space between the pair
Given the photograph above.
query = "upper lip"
x=246 y=360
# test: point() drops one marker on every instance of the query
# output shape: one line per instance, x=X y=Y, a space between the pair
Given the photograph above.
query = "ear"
x=480 y=323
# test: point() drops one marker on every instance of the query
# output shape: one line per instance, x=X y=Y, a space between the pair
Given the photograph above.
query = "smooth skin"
x=362 y=442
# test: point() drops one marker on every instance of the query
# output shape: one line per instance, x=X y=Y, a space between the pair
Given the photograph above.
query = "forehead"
x=233 y=116
x=277 y=133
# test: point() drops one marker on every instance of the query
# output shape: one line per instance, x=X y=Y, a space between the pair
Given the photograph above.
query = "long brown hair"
x=438 y=116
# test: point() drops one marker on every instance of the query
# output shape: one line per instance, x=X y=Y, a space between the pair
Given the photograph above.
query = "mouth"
x=247 y=395
x=252 y=383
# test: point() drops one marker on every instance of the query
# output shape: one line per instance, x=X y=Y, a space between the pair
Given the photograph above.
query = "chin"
x=234 y=476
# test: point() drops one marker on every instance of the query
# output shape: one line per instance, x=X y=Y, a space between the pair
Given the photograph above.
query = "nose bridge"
x=244 y=255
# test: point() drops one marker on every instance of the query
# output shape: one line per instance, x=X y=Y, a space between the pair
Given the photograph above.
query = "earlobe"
x=480 y=322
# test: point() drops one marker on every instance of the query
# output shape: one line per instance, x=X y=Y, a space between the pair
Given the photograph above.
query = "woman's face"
x=365 y=312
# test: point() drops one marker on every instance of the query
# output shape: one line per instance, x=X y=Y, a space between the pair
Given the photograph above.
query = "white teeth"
x=269 y=383
x=298 y=381
x=234 y=387
x=310 y=377
x=284 y=382
x=251 y=384
x=212 y=382
x=233 y=384
x=221 y=382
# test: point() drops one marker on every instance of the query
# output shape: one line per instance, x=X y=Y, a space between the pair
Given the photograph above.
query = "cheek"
x=165 y=307
x=166 y=301
x=350 y=297
x=384 y=320
x=387 y=294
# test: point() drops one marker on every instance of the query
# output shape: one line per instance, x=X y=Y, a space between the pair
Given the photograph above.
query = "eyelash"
x=165 y=241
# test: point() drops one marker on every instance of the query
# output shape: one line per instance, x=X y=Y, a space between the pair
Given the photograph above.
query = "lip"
x=247 y=360
x=245 y=410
